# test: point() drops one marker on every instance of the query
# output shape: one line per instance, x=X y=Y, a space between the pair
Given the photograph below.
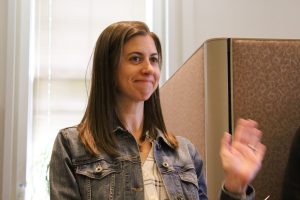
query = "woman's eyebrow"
x=135 y=52
x=141 y=53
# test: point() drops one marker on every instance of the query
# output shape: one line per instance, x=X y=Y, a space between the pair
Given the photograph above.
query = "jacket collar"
x=160 y=138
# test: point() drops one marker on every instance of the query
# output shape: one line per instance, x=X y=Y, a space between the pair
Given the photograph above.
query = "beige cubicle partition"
x=182 y=99
x=195 y=105
x=230 y=78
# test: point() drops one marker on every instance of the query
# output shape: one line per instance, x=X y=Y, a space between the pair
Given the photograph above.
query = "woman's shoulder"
x=185 y=143
x=183 y=140
x=69 y=133
x=69 y=138
x=186 y=149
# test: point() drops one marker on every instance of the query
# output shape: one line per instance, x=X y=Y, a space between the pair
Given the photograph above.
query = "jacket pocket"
x=189 y=183
x=189 y=176
x=99 y=179
x=98 y=169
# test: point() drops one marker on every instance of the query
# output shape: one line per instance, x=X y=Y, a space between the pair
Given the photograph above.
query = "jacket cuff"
x=249 y=195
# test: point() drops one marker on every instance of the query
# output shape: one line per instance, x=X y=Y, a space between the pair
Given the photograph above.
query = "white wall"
x=205 y=19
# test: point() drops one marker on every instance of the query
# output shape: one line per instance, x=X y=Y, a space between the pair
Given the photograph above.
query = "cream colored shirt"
x=153 y=183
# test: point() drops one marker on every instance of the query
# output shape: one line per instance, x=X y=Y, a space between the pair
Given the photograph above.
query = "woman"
x=122 y=150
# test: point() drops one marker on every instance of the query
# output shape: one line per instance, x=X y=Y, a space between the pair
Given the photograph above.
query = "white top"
x=153 y=183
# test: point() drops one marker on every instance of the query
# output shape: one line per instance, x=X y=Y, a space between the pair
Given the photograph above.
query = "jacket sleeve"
x=63 y=183
x=225 y=195
x=198 y=163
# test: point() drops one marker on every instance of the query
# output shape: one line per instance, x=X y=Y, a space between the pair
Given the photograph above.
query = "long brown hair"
x=100 y=118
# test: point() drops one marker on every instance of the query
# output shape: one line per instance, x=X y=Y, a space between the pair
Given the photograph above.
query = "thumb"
x=225 y=142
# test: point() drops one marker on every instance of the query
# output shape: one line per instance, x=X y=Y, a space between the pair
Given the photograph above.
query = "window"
x=64 y=37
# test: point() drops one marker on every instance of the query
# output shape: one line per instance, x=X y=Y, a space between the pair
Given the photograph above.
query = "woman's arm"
x=63 y=184
x=202 y=190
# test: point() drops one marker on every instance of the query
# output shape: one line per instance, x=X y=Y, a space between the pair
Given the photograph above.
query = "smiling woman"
x=127 y=58
x=122 y=149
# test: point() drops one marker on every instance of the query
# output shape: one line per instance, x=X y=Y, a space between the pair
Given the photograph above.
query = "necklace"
x=145 y=146
x=146 y=140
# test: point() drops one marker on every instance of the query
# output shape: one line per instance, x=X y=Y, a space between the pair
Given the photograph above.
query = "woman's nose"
x=148 y=67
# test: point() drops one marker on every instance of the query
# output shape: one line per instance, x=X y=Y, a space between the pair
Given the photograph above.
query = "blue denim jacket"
x=76 y=174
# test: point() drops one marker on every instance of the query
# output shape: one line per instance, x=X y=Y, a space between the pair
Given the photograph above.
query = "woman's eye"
x=154 y=60
x=135 y=59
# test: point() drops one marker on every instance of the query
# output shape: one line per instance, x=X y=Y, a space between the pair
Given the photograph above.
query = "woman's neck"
x=132 y=117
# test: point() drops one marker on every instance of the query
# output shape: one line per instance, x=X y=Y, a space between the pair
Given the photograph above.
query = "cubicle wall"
x=182 y=99
x=266 y=87
x=230 y=78
x=195 y=105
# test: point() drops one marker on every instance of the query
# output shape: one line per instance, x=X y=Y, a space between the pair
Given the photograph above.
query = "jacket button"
x=165 y=164
x=98 y=168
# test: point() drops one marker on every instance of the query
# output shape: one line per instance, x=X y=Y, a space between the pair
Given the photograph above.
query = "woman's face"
x=138 y=72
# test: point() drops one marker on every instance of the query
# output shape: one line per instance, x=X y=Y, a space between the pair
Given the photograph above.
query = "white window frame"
x=17 y=99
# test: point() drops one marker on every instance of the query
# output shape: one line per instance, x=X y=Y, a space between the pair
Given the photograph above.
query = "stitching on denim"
x=89 y=189
x=112 y=187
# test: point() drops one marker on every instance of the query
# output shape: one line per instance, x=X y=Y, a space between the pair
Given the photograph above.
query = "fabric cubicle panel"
x=266 y=87
x=195 y=104
x=182 y=99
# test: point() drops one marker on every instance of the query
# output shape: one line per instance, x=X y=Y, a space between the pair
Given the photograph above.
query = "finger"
x=260 y=151
x=225 y=150
x=226 y=140
x=254 y=137
x=239 y=128
x=247 y=133
x=225 y=143
x=252 y=123
x=243 y=128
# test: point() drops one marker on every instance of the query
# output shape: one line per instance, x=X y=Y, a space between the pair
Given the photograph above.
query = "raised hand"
x=241 y=155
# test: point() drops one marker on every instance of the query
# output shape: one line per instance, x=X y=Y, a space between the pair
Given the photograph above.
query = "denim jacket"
x=76 y=174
